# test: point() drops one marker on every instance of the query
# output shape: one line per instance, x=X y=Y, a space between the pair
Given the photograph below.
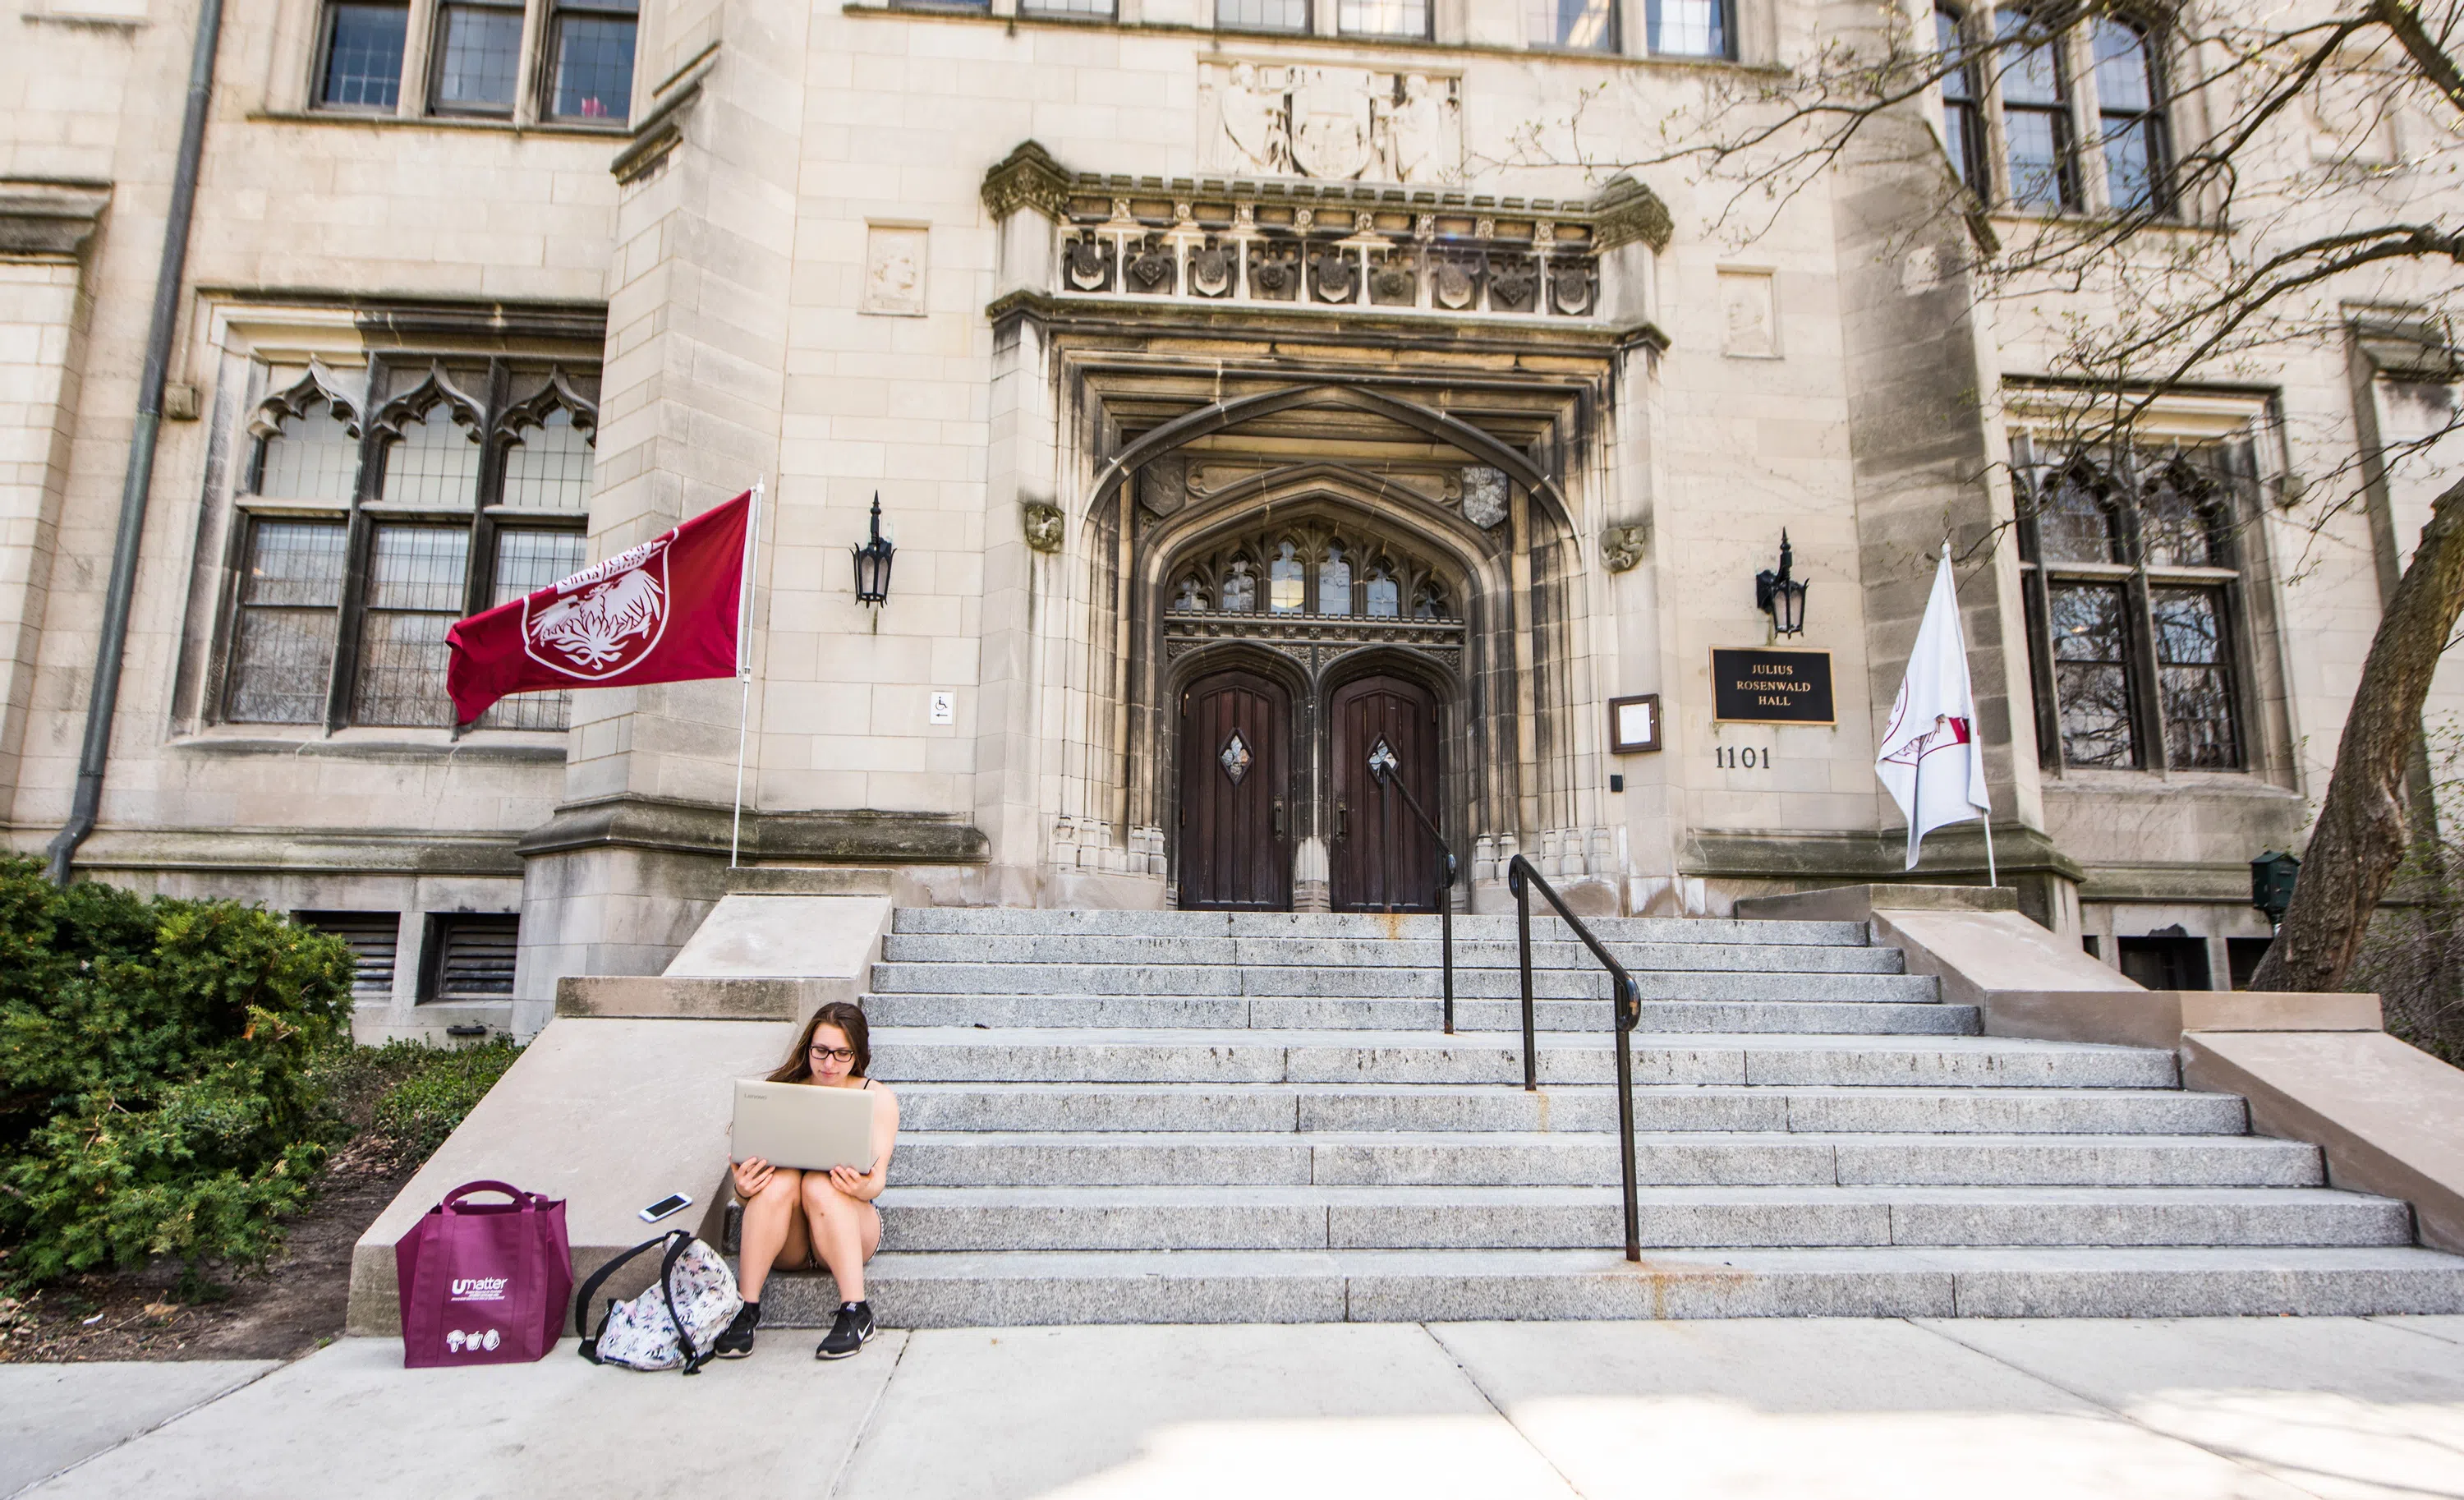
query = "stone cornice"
x=50 y=220
x=1625 y=213
x=1027 y=178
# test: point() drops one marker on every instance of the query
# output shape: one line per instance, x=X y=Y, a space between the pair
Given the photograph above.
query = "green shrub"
x=417 y=1113
x=157 y=1089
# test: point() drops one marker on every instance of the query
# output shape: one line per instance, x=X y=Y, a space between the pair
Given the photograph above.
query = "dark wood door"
x=1236 y=731
x=1383 y=857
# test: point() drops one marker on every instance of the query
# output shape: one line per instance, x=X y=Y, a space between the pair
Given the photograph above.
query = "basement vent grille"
x=474 y=957
x=373 y=937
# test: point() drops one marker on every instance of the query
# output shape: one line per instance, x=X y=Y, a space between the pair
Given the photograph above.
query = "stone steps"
x=1277 y=1013
x=1188 y=1116
x=1433 y=1107
x=1340 y=1218
x=1009 y=922
x=974 y=1289
x=1382 y=953
x=1661 y=1157
x=1384 y=982
x=1218 y=1056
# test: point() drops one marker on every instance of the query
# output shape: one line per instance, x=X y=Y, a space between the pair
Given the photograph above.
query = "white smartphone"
x=663 y=1208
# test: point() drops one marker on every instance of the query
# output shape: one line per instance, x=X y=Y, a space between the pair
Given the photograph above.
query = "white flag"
x=1931 y=760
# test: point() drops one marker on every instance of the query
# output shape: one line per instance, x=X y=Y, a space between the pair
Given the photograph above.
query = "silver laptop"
x=810 y=1127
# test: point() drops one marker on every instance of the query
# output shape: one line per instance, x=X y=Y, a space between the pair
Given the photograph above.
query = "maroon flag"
x=664 y=611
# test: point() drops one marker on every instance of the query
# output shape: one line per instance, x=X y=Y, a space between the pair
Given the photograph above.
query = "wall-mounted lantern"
x=872 y=561
x=1780 y=596
x=2271 y=884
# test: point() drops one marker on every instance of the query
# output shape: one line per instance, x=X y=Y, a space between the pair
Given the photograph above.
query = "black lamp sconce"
x=1780 y=596
x=872 y=561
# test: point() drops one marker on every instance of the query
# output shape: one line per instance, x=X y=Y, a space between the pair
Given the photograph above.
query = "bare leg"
x=846 y=1232
x=772 y=1233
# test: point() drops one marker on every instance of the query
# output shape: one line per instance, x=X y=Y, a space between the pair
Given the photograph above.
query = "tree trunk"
x=2361 y=834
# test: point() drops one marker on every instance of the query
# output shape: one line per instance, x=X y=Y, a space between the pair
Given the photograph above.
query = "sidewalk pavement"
x=2191 y=1409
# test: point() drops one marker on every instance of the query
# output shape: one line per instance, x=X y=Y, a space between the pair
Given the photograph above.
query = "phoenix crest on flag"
x=605 y=618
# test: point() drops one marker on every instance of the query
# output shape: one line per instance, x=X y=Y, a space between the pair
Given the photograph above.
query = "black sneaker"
x=848 y=1334
x=737 y=1340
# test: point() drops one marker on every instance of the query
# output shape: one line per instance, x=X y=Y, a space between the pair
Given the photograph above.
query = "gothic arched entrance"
x=1299 y=638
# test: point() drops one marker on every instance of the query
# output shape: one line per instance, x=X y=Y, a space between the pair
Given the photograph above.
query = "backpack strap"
x=589 y=1349
x=694 y=1358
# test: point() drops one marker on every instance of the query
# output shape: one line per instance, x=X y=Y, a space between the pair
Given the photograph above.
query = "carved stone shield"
x=1483 y=495
x=1330 y=122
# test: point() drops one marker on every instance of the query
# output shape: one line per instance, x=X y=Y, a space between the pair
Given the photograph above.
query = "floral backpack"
x=696 y=1293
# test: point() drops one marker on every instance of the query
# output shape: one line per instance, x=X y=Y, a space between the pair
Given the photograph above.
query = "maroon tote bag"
x=484 y=1283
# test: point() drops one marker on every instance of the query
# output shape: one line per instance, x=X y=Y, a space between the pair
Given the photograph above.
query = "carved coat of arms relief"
x=1334 y=123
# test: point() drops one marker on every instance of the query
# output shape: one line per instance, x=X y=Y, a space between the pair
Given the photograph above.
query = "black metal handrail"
x=1382 y=767
x=1626 y=998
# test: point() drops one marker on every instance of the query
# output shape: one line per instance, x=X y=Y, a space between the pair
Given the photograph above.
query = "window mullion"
x=479 y=581
x=530 y=94
x=2087 y=121
x=418 y=47
x=357 y=541
x=2147 y=703
x=1986 y=21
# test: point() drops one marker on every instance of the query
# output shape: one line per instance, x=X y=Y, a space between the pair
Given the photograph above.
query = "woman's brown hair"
x=799 y=1066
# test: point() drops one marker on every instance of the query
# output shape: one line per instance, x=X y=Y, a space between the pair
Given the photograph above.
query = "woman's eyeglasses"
x=833 y=1054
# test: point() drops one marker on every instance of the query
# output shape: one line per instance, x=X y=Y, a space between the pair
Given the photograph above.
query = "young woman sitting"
x=795 y=1219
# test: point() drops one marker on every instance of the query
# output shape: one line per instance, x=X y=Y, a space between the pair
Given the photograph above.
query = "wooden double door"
x=1250 y=790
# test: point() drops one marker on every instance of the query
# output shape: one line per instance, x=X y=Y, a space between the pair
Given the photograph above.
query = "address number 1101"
x=1740 y=757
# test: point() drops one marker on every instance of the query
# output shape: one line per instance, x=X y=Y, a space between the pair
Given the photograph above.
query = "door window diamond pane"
x=1235 y=758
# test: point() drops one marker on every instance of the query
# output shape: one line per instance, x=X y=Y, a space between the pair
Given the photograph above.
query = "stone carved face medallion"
x=1040 y=520
x=1235 y=758
x=1483 y=495
x=1210 y=269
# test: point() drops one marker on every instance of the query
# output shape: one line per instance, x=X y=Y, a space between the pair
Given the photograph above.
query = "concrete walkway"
x=2206 y=1409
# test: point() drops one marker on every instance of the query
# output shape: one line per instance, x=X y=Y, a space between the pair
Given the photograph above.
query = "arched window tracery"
x=1322 y=569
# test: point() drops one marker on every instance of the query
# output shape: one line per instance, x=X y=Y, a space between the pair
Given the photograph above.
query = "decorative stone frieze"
x=1336 y=123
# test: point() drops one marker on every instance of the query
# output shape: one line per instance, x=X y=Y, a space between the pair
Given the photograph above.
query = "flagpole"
x=744 y=659
x=1993 y=877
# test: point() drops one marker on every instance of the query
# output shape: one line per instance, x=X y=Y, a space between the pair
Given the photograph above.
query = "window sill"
x=519 y=745
x=562 y=128
x=925 y=11
x=2089 y=780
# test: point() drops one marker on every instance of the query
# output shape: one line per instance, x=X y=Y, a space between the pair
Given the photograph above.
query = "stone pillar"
x=1030 y=539
x=690 y=415
x=1927 y=451
x=45 y=228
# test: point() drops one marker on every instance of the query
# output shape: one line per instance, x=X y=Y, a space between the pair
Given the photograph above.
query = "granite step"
x=994 y=1289
x=1008 y=1054
x=1930 y=1018
x=1370 y=982
x=1380 y=952
x=1082 y=1158
x=942 y=1219
x=1025 y=922
x=1276 y=1107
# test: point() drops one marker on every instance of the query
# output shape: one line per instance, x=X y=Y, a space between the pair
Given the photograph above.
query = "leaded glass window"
x=1688 y=28
x=2126 y=101
x=1382 y=17
x=1286 y=581
x=2036 y=114
x=593 y=60
x=1582 y=25
x=2129 y=567
x=339 y=613
x=363 y=47
x=478 y=58
x=1334 y=582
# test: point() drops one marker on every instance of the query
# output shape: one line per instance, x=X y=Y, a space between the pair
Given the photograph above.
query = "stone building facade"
x=1241 y=400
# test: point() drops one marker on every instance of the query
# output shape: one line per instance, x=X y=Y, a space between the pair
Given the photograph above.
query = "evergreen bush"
x=157 y=1089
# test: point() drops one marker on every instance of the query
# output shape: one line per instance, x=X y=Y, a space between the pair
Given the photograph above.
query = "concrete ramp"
x=609 y=1116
